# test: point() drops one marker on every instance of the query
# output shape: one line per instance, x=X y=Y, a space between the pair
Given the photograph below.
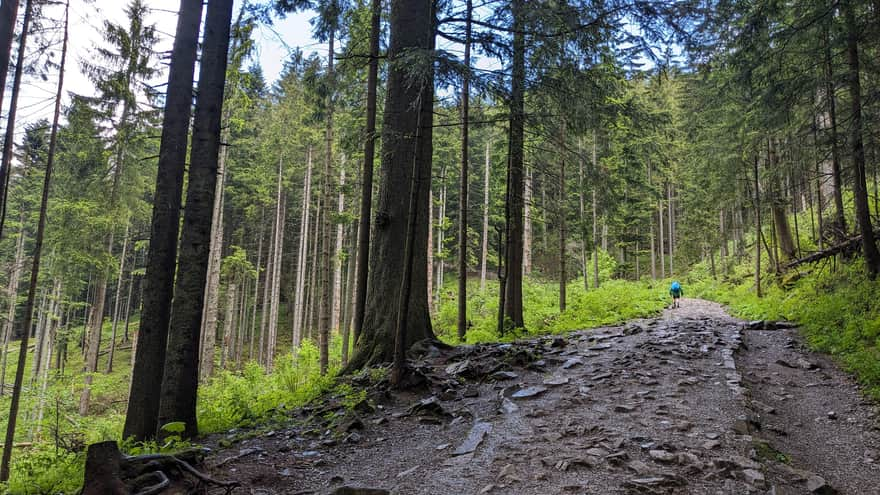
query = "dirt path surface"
x=654 y=406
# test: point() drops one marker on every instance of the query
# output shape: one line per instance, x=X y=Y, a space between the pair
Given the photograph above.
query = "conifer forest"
x=373 y=247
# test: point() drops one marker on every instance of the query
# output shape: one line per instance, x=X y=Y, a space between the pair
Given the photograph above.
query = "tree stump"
x=102 y=470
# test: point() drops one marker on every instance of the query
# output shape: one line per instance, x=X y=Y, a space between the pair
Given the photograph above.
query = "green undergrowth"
x=836 y=304
x=613 y=302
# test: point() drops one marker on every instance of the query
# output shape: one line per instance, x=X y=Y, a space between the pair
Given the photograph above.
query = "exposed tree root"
x=108 y=472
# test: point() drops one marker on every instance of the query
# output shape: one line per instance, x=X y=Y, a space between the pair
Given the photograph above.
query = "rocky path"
x=672 y=405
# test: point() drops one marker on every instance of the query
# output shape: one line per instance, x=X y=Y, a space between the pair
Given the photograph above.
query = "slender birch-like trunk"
x=276 y=268
x=299 y=295
x=116 y=302
x=12 y=298
x=527 y=223
x=485 y=250
x=338 y=267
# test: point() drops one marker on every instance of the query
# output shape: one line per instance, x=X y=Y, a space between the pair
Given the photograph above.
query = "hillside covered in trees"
x=192 y=248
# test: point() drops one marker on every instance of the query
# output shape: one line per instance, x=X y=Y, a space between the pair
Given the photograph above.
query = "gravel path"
x=653 y=406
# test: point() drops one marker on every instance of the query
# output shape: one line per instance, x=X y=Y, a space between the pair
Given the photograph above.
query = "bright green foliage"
x=254 y=396
x=614 y=302
x=839 y=310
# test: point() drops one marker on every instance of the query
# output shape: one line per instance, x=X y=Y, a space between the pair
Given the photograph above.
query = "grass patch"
x=615 y=301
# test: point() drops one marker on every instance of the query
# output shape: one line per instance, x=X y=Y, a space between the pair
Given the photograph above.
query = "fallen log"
x=843 y=247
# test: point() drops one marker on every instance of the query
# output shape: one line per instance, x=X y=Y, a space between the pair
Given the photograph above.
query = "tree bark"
x=37 y=253
x=326 y=265
x=671 y=238
x=8 y=17
x=143 y=404
x=528 y=226
x=662 y=245
x=181 y=376
x=406 y=139
x=256 y=296
x=208 y=335
x=363 y=252
x=302 y=265
x=228 y=323
x=836 y=176
x=484 y=254
x=463 y=179
x=272 y=329
x=12 y=295
x=338 y=267
x=860 y=183
x=441 y=242
x=561 y=212
x=582 y=211
x=758 y=231
x=513 y=303
x=117 y=298
x=348 y=306
x=430 y=252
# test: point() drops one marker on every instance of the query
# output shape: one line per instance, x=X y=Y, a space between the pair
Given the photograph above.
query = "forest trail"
x=692 y=402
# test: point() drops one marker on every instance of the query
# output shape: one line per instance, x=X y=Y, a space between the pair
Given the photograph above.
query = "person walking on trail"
x=676 y=292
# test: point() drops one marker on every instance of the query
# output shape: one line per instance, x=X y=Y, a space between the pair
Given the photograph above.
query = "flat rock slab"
x=529 y=392
x=474 y=439
x=555 y=381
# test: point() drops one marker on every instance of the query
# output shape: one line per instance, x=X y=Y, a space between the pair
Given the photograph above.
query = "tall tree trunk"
x=430 y=252
x=12 y=298
x=348 y=306
x=406 y=142
x=302 y=255
x=582 y=211
x=722 y=237
x=272 y=328
x=228 y=323
x=671 y=238
x=561 y=212
x=37 y=253
x=441 y=227
x=326 y=265
x=528 y=226
x=256 y=296
x=338 y=266
x=181 y=376
x=312 y=314
x=8 y=19
x=653 y=252
x=143 y=403
x=268 y=283
x=125 y=335
x=463 y=178
x=595 y=242
x=662 y=245
x=38 y=334
x=860 y=182
x=777 y=205
x=758 y=231
x=8 y=13
x=513 y=301
x=363 y=252
x=484 y=253
x=117 y=299
x=212 y=285
x=836 y=177
x=208 y=334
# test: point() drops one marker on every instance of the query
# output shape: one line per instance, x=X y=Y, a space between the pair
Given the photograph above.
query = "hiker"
x=676 y=292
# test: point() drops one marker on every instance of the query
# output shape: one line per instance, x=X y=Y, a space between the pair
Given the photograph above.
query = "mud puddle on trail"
x=654 y=406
